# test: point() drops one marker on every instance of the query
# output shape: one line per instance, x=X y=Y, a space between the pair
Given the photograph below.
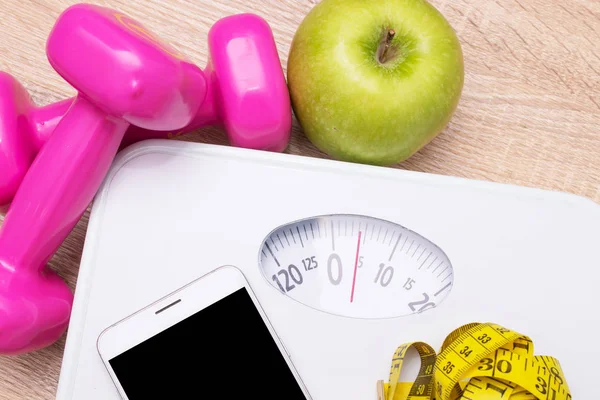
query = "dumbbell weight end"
x=247 y=94
x=36 y=308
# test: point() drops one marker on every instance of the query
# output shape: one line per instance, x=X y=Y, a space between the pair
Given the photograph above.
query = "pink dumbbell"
x=124 y=76
x=247 y=96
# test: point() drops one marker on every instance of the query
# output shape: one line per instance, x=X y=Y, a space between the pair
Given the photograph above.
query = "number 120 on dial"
x=356 y=266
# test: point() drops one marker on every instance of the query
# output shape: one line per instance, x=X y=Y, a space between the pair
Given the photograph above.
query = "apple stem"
x=388 y=41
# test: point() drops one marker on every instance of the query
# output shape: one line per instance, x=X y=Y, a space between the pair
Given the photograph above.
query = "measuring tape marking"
x=479 y=362
x=485 y=337
x=423 y=384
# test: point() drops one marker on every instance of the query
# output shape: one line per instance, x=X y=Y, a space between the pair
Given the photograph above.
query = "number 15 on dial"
x=356 y=266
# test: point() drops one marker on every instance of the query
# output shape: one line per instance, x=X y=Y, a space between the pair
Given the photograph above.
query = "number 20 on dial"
x=356 y=266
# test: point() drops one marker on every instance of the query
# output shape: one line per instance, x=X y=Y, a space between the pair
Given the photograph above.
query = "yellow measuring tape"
x=478 y=362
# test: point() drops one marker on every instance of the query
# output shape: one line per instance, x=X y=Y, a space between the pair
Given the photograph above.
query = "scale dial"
x=356 y=266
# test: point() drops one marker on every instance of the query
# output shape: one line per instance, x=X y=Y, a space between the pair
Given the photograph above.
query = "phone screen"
x=222 y=351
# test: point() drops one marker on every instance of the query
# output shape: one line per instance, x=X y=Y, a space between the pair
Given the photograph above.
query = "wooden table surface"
x=529 y=115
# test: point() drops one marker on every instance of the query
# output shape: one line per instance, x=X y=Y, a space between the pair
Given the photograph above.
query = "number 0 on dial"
x=356 y=266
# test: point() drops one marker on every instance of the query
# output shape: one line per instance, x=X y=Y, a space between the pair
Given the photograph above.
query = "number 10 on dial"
x=356 y=266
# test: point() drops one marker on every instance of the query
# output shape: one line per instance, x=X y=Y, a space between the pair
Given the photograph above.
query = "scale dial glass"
x=356 y=266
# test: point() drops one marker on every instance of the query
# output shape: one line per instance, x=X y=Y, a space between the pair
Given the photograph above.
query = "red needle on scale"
x=355 y=267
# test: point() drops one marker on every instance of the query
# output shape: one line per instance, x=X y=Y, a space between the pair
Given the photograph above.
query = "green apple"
x=373 y=81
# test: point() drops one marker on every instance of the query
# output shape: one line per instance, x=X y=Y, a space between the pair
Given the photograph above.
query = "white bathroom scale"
x=349 y=261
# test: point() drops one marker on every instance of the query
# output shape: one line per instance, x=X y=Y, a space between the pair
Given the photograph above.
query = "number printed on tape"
x=479 y=362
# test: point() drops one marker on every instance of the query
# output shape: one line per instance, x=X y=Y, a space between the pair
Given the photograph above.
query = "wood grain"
x=529 y=115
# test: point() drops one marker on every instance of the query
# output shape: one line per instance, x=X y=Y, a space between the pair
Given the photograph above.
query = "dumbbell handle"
x=60 y=185
x=44 y=119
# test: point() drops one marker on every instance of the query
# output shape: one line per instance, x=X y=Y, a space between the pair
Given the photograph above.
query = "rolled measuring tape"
x=478 y=362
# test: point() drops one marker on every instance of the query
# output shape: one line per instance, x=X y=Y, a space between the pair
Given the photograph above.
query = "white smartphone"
x=209 y=339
